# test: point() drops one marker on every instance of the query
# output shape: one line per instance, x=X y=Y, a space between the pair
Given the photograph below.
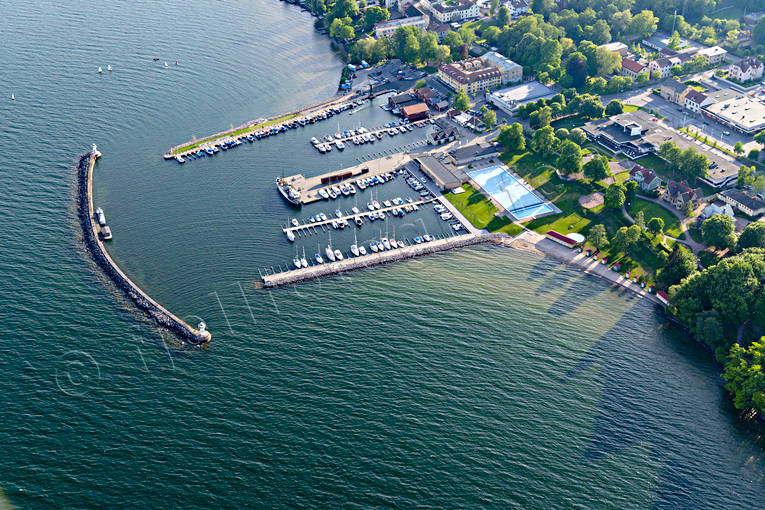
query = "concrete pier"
x=90 y=231
x=374 y=259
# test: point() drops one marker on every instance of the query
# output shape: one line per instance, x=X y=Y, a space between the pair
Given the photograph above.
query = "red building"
x=415 y=112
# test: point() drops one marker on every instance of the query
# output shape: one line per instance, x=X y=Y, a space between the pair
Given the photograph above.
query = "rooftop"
x=633 y=66
x=470 y=70
x=745 y=198
x=523 y=93
x=741 y=110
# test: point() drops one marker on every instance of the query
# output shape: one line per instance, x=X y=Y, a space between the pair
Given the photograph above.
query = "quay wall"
x=374 y=259
x=96 y=248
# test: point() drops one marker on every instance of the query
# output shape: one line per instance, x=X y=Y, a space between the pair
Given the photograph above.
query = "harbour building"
x=471 y=75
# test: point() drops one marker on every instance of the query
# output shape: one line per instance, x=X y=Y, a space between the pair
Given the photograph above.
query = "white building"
x=714 y=55
x=511 y=72
x=695 y=100
x=466 y=9
x=516 y=7
x=746 y=69
x=663 y=65
x=388 y=28
x=616 y=47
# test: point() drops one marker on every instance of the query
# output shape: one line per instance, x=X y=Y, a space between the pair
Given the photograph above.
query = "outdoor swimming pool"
x=513 y=196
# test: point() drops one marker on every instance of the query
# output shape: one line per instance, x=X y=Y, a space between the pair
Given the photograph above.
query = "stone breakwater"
x=374 y=259
x=85 y=213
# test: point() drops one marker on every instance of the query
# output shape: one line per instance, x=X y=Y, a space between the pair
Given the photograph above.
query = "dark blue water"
x=478 y=378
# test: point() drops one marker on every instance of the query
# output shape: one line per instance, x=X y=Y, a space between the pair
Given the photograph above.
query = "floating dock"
x=374 y=259
x=90 y=231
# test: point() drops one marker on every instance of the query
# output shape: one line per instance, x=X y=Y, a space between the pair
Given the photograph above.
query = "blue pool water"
x=513 y=196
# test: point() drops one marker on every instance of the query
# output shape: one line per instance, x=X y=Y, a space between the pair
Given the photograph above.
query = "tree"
x=411 y=50
x=754 y=154
x=746 y=176
x=493 y=7
x=718 y=231
x=745 y=375
x=428 y=47
x=341 y=29
x=676 y=70
x=597 y=237
x=753 y=236
x=758 y=33
x=562 y=133
x=511 y=138
x=656 y=75
x=344 y=9
x=642 y=77
x=490 y=118
x=674 y=41
x=640 y=220
x=541 y=118
x=614 y=196
x=577 y=135
x=570 y=158
x=461 y=101
x=643 y=24
x=760 y=137
x=443 y=54
x=374 y=15
x=614 y=107
x=590 y=106
x=624 y=238
x=630 y=190
x=503 y=17
x=419 y=84
x=656 y=226
x=738 y=148
x=544 y=142
x=687 y=208
x=576 y=68
x=597 y=168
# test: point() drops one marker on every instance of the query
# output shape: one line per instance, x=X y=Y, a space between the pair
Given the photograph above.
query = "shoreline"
x=531 y=242
x=100 y=255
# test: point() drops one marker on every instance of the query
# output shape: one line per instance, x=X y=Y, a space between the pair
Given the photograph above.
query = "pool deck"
x=529 y=187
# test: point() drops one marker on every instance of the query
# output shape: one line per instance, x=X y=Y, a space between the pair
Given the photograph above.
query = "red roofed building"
x=415 y=112
x=560 y=238
x=631 y=68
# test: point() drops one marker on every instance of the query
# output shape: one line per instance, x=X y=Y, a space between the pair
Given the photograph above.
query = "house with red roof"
x=631 y=68
x=645 y=177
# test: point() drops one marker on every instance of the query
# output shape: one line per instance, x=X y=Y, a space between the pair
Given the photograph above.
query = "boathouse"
x=560 y=238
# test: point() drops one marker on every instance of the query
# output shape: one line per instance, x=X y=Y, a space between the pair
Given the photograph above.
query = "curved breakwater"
x=153 y=309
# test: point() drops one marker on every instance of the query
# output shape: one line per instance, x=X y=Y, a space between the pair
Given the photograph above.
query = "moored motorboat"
x=338 y=255
x=290 y=235
x=290 y=193
x=295 y=222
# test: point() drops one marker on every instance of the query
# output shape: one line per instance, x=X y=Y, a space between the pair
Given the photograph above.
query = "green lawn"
x=653 y=210
x=473 y=205
x=630 y=108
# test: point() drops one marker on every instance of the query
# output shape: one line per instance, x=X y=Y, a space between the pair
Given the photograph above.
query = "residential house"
x=631 y=68
x=679 y=193
x=471 y=75
x=695 y=100
x=673 y=90
x=511 y=72
x=663 y=65
x=746 y=69
x=440 y=29
x=441 y=133
x=517 y=7
x=716 y=208
x=713 y=55
x=645 y=177
x=745 y=201
x=465 y=9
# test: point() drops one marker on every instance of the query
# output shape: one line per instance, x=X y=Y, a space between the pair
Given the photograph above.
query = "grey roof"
x=745 y=198
x=472 y=152
x=439 y=171
x=675 y=85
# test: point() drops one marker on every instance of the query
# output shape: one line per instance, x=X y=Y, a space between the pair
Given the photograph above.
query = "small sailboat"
x=338 y=255
x=328 y=250
x=166 y=64
x=176 y=62
x=362 y=250
x=319 y=259
x=374 y=247
x=355 y=247
x=303 y=260
x=296 y=261
x=100 y=70
x=13 y=98
x=109 y=67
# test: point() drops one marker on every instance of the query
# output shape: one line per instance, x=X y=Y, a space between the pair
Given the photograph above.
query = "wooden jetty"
x=374 y=259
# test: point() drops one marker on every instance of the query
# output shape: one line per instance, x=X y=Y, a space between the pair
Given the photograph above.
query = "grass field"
x=653 y=210
x=481 y=212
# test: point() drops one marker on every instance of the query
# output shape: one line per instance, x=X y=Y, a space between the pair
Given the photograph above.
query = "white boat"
x=355 y=210
x=329 y=253
x=166 y=64
x=290 y=235
x=352 y=188
x=376 y=204
x=362 y=250
x=338 y=213
x=370 y=206
x=303 y=260
x=340 y=145
x=338 y=255
x=295 y=222
x=100 y=217
x=386 y=243
x=100 y=70
x=109 y=67
x=327 y=147
x=323 y=193
x=393 y=243
x=13 y=97
x=387 y=203
x=318 y=258
x=314 y=140
x=296 y=262
x=355 y=247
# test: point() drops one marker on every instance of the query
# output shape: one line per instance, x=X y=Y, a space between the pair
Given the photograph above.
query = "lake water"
x=483 y=377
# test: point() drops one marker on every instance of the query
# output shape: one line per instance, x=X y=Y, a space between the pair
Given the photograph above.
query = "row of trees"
x=689 y=162
x=410 y=44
